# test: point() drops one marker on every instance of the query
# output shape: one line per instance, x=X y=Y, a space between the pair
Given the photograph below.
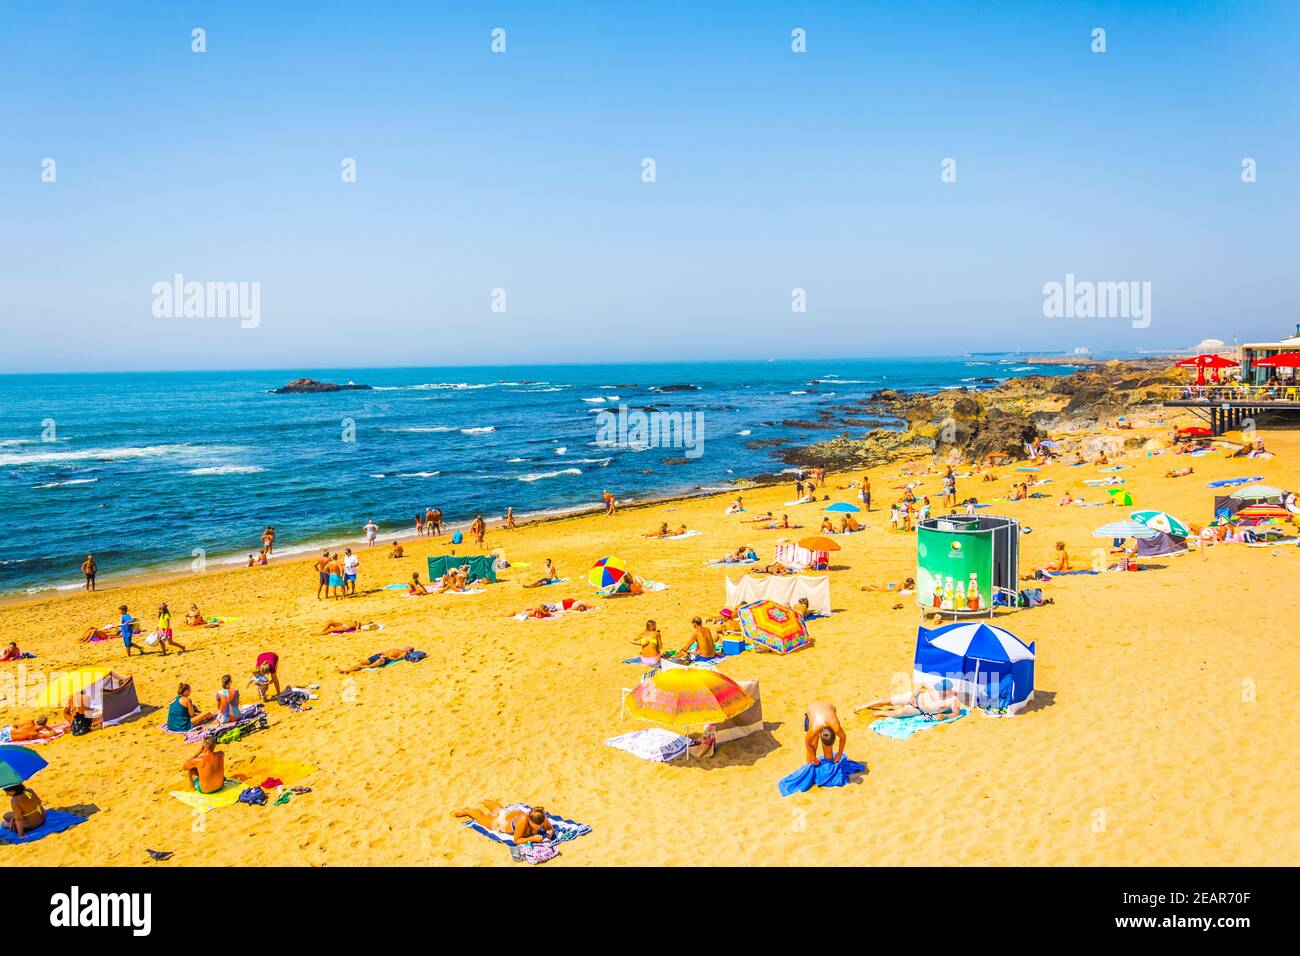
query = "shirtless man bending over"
x=821 y=725
x=939 y=701
x=526 y=825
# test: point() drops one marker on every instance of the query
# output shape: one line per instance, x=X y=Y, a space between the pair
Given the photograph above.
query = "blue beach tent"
x=988 y=665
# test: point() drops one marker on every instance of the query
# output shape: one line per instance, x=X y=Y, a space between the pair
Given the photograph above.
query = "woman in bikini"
x=26 y=812
x=651 y=643
x=522 y=823
x=939 y=701
x=228 y=709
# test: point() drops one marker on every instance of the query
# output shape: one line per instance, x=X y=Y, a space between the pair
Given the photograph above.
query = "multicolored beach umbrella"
x=773 y=625
x=1162 y=521
x=18 y=764
x=1263 y=511
x=844 y=506
x=1120 y=496
x=687 y=696
x=1125 y=529
x=608 y=570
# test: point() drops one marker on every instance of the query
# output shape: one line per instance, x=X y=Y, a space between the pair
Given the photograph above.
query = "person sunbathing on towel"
x=31 y=730
x=526 y=825
x=97 y=634
x=777 y=525
x=26 y=812
x=206 y=770
x=376 y=661
x=766 y=516
x=1067 y=499
x=909 y=584
x=821 y=725
x=347 y=627
x=663 y=532
x=939 y=701
x=415 y=588
x=776 y=567
x=1178 y=472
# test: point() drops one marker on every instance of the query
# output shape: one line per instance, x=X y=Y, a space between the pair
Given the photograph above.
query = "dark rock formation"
x=307 y=386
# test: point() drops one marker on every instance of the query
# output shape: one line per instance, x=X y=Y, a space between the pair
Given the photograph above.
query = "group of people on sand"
x=183 y=715
x=162 y=637
x=429 y=523
x=700 y=645
x=663 y=531
x=337 y=577
x=455 y=580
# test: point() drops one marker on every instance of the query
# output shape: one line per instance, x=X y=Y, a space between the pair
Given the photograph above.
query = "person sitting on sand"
x=939 y=701
x=206 y=770
x=701 y=643
x=821 y=724
x=781 y=525
x=397 y=551
x=522 y=824
x=376 y=661
x=37 y=729
x=347 y=627
x=1178 y=472
x=1101 y=459
x=1067 y=499
x=266 y=673
x=182 y=715
x=194 y=618
x=26 y=812
x=415 y=588
x=1062 y=560
x=663 y=532
x=827 y=527
x=549 y=576
x=849 y=524
x=651 y=643
x=228 y=709
x=736 y=507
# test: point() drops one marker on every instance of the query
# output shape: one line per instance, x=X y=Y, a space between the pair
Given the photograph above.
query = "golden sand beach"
x=1162 y=732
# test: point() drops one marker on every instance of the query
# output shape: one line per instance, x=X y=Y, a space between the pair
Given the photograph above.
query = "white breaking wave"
x=422 y=429
x=745 y=431
x=103 y=454
x=561 y=450
x=227 y=470
x=418 y=474
x=539 y=475
x=70 y=481
x=478 y=431
x=514 y=461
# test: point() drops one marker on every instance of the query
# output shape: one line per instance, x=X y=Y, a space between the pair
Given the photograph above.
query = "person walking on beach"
x=165 y=631
x=609 y=503
x=89 y=568
x=865 y=493
x=350 y=565
x=419 y=525
x=372 y=532
x=510 y=518
x=126 y=628
x=478 y=529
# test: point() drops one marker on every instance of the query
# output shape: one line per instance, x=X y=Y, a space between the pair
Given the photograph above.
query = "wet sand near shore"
x=1162 y=733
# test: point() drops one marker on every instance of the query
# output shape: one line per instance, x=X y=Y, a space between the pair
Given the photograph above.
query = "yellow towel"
x=290 y=771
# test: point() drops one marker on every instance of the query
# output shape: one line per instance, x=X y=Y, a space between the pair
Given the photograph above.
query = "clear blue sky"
x=522 y=171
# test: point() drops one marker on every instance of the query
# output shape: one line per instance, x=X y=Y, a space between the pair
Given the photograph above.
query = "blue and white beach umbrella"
x=986 y=642
x=1125 y=529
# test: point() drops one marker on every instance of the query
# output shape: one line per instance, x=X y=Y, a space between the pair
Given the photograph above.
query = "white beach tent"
x=784 y=589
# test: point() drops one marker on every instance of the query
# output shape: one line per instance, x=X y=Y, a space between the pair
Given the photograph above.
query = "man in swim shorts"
x=207 y=768
x=89 y=568
x=350 y=565
x=323 y=575
x=376 y=661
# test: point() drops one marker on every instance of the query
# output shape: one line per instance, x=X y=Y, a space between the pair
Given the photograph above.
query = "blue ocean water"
x=145 y=469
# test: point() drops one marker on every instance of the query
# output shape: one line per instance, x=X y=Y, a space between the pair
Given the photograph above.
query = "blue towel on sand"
x=900 y=728
x=826 y=774
x=1059 y=573
x=56 y=821
x=1228 y=482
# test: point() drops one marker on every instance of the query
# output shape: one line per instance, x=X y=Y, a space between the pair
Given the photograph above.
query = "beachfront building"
x=1258 y=378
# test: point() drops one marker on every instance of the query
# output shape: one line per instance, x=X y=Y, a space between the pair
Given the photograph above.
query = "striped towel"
x=565 y=830
x=901 y=728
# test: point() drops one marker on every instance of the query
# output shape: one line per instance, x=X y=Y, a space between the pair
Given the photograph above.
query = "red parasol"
x=1283 y=360
x=1202 y=362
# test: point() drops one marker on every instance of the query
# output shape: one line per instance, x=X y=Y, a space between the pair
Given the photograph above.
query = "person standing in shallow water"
x=89 y=568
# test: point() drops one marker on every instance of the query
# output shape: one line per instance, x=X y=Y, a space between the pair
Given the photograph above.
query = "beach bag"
x=416 y=656
x=80 y=725
x=253 y=796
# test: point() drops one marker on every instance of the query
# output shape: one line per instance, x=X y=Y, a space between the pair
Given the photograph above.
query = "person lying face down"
x=375 y=661
x=527 y=825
